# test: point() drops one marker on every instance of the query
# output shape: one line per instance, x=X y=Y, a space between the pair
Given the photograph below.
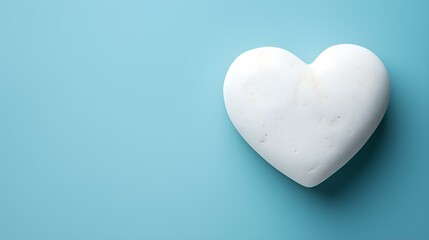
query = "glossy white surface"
x=307 y=120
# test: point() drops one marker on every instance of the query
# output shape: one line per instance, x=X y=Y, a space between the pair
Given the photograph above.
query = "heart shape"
x=307 y=120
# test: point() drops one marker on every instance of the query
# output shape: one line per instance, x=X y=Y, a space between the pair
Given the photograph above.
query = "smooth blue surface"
x=112 y=123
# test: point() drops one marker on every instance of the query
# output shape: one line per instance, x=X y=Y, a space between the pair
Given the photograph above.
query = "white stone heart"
x=307 y=120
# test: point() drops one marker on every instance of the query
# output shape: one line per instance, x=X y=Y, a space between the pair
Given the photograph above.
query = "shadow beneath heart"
x=359 y=166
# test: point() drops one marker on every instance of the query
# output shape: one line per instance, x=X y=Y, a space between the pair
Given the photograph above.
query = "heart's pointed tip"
x=309 y=181
x=309 y=184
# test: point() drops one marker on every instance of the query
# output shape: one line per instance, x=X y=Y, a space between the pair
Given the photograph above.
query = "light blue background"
x=112 y=123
